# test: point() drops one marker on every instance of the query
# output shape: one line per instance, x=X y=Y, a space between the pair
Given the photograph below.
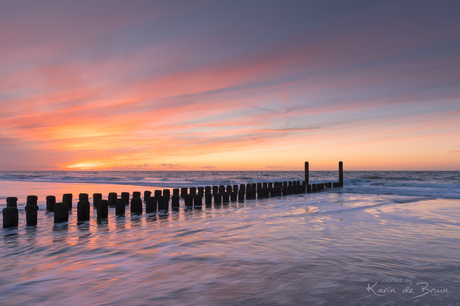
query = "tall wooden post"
x=50 y=201
x=67 y=198
x=151 y=205
x=340 y=174
x=120 y=206
x=163 y=203
x=102 y=210
x=176 y=191
x=147 y=194
x=175 y=201
x=200 y=191
x=83 y=210
x=183 y=192
x=96 y=198
x=31 y=210
x=125 y=196
x=10 y=213
x=188 y=200
x=136 y=205
x=61 y=212
x=197 y=201
x=307 y=173
x=112 y=198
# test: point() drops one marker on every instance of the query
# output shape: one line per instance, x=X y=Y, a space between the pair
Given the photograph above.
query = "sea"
x=384 y=238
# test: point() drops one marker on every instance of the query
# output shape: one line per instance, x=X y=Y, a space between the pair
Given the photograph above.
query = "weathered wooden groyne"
x=161 y=201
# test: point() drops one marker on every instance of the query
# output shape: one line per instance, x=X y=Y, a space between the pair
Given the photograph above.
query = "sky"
x=229 y=85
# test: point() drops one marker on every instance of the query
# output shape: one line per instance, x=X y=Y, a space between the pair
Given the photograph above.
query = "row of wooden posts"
x=193 y=198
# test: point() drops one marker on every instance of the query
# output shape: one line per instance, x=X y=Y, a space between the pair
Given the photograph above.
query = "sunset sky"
x=229 y=85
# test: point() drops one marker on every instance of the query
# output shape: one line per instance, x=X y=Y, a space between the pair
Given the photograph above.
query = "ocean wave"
x=433 y=193
x=427 y=184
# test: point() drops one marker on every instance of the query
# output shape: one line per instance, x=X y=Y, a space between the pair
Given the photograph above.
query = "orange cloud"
x=116 y=93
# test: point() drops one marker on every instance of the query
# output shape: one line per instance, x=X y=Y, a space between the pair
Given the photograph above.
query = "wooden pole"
x=12 y=202
x=32 y=200
x=197 y=201
x=125 y=196
x=340 y=174
x=226 y=197
x=112 y=198
x=200 y=191
x=10 y=213
x=163 y=202
x=136 y=205
x=120 y=206
x=241 y=195
x=307 y=173
x=61 y=212
x=183 y=192
x=176 y=191
x=10 y=217
x=137 y=194
x=208 y=199
x=188 y=200
x=151 y=205
x=31 y=210
x=102 y=210
x=96 y=198
x=175 y=204
x=147 y=194
x=67 y=198
x=217 y=199
x=83 y=210
x=50 y=202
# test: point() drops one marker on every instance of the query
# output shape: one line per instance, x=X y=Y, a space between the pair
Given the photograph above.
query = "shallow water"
x=338 y=247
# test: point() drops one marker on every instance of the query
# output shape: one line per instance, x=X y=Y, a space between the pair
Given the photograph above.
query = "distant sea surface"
x=385 y=238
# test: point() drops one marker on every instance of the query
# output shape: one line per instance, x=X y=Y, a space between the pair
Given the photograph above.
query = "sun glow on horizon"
x=84 y=166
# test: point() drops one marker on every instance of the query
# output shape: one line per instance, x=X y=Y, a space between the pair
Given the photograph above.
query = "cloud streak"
x=191 y=86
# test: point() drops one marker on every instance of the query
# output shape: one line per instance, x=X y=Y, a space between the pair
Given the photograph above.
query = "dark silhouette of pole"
x=340 y=174
x=83 y=209
x=307 y=173
x=102 y=210
x=61 y=212
x=10 y=212
x=50 y=201
x=120 y=206
x=31 y=210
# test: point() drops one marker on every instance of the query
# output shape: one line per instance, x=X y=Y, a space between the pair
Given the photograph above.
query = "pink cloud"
x=98 y=91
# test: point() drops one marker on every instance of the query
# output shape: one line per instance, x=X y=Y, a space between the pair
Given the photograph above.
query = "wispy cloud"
x=150 y=86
